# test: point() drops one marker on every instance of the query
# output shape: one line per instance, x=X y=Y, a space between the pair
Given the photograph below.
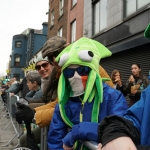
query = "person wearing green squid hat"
x=83 y=99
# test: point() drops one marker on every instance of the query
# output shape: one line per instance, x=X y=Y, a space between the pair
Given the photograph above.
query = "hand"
x=12 y=94
x=134 y=92
x=67 y=148
x=119 y=82
x=121 y=143
x=24 y=113
x=131 y=79
x=99 y=146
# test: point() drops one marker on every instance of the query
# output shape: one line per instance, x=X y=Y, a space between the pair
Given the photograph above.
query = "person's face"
x=44 y=68
x=31 y=86
x=117 y=76
x=70 y=71
x=135 y=70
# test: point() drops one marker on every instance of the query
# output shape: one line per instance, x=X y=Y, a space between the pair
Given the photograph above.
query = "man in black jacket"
x=23 y=88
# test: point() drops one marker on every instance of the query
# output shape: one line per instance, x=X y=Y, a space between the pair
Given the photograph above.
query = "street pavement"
x=8 y=133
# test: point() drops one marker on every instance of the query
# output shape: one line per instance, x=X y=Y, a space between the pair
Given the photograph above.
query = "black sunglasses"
x=82 y=71
x=44 y=65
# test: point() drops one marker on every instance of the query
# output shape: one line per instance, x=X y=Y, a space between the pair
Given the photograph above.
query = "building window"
x=133 y=5
x=73 y=31
x=18 y=44
x=52 y=17
x=17 y=61
x=59 y=33
x=99 y=16
x=74 y=2
x=61 y=6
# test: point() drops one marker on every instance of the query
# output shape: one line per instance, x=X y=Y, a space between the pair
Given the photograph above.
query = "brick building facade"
x=60 y=19
x=66 y=19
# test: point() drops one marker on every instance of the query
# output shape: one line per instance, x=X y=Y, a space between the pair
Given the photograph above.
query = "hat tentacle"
x=63 y=98
x=98 y=98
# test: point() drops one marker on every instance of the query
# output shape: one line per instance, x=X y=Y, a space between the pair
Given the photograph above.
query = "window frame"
x=17 y=63
x=73 y=33
x=136 y=8
x=52 y=17
x=60 y=32
x=101 y=26
x=61 y=7
x=18 y=45
x=73 y=3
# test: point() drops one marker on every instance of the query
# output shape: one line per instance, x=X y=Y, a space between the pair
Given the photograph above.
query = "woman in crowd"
x=118 y=84
x=136 y=83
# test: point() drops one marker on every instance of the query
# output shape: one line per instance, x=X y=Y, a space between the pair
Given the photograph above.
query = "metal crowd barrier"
x=10 y=111
x=43 y=143
x=91 y=145
x=10 y=105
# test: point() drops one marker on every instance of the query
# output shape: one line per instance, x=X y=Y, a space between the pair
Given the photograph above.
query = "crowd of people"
x=71 y=94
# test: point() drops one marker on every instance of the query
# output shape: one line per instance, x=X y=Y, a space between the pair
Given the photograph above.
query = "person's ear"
x=35 y=83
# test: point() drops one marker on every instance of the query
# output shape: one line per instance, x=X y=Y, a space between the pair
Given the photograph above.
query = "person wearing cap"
x=83 y=97
x=132 y=131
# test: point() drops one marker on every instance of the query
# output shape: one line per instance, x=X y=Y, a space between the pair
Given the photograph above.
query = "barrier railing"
x=10 y=110
x=43 y=144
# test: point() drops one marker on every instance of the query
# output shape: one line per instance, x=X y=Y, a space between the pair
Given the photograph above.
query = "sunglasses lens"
x=68 y=73
x=82 y=71
x=38 y=67
x=44 y=65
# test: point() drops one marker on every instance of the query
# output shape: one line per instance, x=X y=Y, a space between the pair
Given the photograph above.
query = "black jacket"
x=113 y=127
x=23 y=88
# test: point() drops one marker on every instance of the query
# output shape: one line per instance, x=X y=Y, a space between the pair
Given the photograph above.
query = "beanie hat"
x=85 y=52
x=40 y=58
x=55 y=43
x=147 y=32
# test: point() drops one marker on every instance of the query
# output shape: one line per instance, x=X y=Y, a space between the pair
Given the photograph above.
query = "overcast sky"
x=15 y=17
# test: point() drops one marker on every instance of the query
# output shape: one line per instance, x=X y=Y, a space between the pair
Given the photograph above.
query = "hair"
x=113 y=75
x=34 y=76
x=137 y=65
x=140 y=73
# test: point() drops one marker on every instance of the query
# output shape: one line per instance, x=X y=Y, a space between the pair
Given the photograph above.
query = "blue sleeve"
x=136 y=112
x=118 y=104
x=57 y=131
x=84 y=131
x=139 y=114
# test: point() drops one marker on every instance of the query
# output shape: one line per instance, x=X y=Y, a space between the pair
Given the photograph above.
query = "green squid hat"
x=147 y=32
x=84 y=52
